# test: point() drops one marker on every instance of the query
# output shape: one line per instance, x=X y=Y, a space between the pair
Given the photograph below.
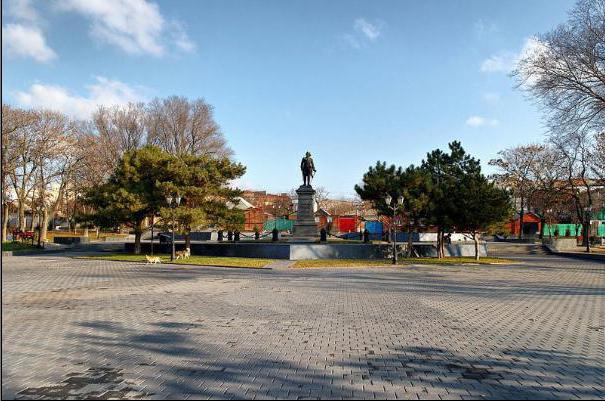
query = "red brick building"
x=264 y=206
x=532 y=224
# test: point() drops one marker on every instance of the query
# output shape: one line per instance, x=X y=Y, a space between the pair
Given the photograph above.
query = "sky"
x=353 y=82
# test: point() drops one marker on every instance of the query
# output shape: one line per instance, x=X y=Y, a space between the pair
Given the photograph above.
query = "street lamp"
x=388 y=199
x=587 y=210
x=173 y=203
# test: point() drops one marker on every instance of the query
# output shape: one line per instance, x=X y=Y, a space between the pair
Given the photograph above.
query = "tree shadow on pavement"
x=174 y=359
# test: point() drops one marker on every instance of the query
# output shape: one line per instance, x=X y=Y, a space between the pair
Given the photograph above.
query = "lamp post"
x=388 y=199
x=587 y=210
x=173 y=203
x=549 y=219
x=152 y=221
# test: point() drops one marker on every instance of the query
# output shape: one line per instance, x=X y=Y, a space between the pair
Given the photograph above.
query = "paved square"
x=100 y=329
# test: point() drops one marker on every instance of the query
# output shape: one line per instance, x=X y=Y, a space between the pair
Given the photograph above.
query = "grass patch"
x=401 y=262
x=19 y=246
x=193 y=260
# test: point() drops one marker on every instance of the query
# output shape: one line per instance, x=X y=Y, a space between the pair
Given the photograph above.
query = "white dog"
x=184 y=254
x=153 y=259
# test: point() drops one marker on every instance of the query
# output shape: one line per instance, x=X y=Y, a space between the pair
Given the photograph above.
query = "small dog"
x=153 y=259
x=184 y=254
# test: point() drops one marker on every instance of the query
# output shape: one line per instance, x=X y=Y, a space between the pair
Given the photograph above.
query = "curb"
x=577 y=255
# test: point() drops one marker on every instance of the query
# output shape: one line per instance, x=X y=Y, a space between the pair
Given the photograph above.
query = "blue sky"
x=351 y=81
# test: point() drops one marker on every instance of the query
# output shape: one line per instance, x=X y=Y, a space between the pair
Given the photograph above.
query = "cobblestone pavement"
x=101 y=329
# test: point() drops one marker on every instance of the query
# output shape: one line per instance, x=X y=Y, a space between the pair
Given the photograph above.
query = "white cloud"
x=533 y=48
x=135 y=26
x=181 y=39
x=501 y=62
x=22 y=10
x=505 y=61
x=369 y=30
x=363 y=33
x=478 y=121
x=26 y=41
x=103 y=92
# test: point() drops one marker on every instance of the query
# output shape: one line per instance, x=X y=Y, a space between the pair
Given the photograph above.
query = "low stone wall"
x=301 y=251
x=337 y=251
x=71 y=240
x=561 y=244
x=239 y=250
x=456 y=249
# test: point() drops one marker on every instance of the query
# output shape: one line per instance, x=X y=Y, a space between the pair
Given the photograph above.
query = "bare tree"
x=565 y=71
x=119 y=129
x=180 y=126
x=59 y=154
x=576 y=152
x=549 y=175
x=14 y=122
x=517 y=166
x=598 y=161
x=321 y=197
x=21 y=157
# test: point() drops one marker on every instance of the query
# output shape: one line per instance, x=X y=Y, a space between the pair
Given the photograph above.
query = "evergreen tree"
x=416 y=190
x=479 y=205
x=377 y=183
x=446 y=171
x=138 y=187
x=132 y=192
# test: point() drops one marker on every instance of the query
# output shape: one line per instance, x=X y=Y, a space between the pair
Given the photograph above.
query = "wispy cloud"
x=483 y=27
x=478 y=121
x=369 y=30
x=26 y=41
x=503 y=61
x=22 y=10
x=103 y=92
x=135 y=26
x=363 y=33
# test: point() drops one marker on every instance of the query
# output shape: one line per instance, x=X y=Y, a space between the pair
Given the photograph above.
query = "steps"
x=503 y=249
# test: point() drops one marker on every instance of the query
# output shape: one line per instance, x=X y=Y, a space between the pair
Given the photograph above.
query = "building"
x=532 y=225
x=260 y=206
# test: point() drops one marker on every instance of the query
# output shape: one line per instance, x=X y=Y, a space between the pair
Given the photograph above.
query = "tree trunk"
x=21 y=211
x=476 y=239
x=31 y=222
x=542 y=226
x=44 y=225
x=521 y=215
x=5 y=214
x=410 y=241
x=439 y=243
x=188 y=239
x=138 y=231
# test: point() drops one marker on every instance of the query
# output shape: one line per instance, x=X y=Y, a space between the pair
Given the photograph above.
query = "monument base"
x=305 y=228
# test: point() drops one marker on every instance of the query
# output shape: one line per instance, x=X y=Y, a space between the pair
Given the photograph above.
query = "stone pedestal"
x=305 y=228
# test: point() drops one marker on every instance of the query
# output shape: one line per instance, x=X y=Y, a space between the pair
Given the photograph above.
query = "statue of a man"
x=308 y=168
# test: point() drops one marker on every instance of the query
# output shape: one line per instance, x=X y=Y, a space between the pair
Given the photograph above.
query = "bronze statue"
x=308 y=169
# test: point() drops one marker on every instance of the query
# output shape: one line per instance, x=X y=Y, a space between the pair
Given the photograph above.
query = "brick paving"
x=76 y=328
